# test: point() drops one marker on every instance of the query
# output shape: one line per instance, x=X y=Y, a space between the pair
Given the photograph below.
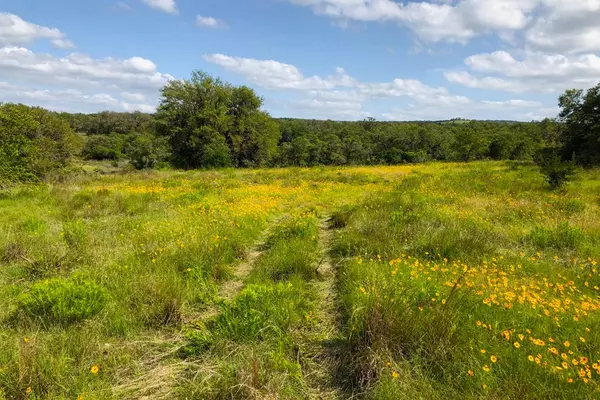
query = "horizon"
x=416 y=61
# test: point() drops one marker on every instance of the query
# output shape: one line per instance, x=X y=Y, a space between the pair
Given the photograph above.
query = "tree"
x=581 y=117
x=33 y=143
x=469 y=144
x=147 y=151
x=103 y=147
x=211 y=123
x=556 y=171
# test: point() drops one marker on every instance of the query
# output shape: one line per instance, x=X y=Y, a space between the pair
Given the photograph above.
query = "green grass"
x=138 y=274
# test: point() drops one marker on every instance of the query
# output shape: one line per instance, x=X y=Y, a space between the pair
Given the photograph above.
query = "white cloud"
x=273 y=75
x=79 y=69
x=209 y=22
x=270 y=74
x=69 y=99
x=548 y=25
x=133 y=96
x=535 y=72
x=452 y=21
x=168 y=6
x=78 y=82
x=342 y=95
x=63 y=44
x=566 y=27
x=14 y=31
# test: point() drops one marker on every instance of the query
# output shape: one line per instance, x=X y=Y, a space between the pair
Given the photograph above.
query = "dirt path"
x=160 y=364
x=320 y=347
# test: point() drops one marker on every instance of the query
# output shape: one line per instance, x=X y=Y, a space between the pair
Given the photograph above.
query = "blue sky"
x=338 y=59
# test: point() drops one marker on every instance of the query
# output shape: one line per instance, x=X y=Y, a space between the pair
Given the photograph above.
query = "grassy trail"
x=162 y=363
x=320 y=348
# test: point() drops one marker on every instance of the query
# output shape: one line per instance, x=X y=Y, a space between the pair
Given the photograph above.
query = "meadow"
x=431 y=281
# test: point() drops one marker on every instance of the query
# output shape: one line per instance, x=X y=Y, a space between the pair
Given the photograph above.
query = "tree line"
x=204 y=122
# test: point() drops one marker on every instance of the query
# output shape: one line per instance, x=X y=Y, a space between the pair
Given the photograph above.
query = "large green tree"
x=581 y=116
x=33 y=143
x=211 y=123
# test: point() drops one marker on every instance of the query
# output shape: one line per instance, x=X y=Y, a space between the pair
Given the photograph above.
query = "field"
x=434 y=281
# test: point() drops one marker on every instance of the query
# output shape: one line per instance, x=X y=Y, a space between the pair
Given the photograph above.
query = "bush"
x=556 y=171
x=33 y=143
x=103 y=147
x=147 y=151
x=62 y=301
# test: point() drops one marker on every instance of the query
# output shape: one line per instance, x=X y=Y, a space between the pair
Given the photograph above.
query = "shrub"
x=147 y=151
x=33 y=143
x=556 y=171
x=103 y=147
x=62 y=301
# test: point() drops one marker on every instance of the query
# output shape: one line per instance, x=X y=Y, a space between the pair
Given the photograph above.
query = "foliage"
x=581 y=116
x=62 y=301
x=33 y=143
x=148 y=151
x=103 y=147
x=556 y=171
x=214 y=124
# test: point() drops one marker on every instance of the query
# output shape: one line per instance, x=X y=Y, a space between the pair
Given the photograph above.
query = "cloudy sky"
x=338 y=59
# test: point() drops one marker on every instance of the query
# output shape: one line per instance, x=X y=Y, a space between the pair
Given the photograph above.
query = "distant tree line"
x=204 y=122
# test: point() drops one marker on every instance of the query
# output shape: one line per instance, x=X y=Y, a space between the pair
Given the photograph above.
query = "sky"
x=323 y=59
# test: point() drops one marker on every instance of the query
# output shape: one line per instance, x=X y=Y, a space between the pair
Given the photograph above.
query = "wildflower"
x=494 y=359
x=567 y=344
x=80 y=397
x=395 y=375
x=570 y=380
x=486 y=368
x=95 y=369
x=470 y=373
x=517 y=345
x=482 y=351
x=583 y=360
x=564 y=365
x=530 y=358
x=582 y=339
x=582 y=373
x=484 y=386
x=28 y=390
x=521 y=336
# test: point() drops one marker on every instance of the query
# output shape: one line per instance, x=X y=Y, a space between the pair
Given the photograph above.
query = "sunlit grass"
x=435 y=263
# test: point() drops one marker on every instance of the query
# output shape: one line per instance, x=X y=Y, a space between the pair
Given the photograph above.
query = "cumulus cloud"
x=343 y=96
x=80 y=83
x=79 y=69
x=168 y=6
x=71 y=100
x=14 y=31
x=539 y=72
x=549 y=25
x=209 y=22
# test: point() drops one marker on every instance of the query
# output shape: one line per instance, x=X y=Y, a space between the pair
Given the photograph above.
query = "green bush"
x=556 y=171
x=33 y=143
x=148 y=151
x=62 y=301
x=102 y=147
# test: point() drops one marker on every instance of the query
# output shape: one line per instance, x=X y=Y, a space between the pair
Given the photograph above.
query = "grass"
x=430 y=265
